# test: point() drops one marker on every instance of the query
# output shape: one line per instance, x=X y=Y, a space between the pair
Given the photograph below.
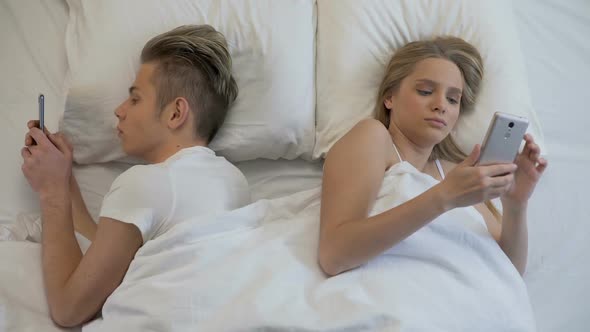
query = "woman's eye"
x=424 y=92
x=453 y=101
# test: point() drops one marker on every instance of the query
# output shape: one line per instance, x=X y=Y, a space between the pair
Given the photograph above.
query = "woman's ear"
x=388 y=102
x=179 y=114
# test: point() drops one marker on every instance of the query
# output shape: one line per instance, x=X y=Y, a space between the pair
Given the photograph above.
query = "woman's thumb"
x=472 y=157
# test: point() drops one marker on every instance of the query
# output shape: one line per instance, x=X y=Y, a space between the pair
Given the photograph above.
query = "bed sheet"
x=554 y=39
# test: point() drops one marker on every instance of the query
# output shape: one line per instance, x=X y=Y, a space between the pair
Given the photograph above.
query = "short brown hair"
x=193 y=61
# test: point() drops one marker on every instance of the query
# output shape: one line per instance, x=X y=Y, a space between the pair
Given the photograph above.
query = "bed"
x=551 y=35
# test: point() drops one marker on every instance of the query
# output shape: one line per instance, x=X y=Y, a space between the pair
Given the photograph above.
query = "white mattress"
x=553 y=36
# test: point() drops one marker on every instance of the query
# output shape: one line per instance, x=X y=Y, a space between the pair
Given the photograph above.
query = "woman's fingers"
x=499 y=169
x=535 y=152
x=501 y=181
x=542 y=165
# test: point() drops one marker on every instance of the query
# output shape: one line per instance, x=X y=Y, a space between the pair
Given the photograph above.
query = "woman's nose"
x=438 y=104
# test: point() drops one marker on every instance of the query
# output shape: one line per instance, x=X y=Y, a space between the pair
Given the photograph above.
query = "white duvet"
x=256 y=268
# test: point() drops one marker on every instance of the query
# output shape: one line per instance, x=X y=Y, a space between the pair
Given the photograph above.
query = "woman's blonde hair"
x=464 y=55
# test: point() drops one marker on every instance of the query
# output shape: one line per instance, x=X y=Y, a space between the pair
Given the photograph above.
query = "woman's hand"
x=468 y=184
x=530 y=169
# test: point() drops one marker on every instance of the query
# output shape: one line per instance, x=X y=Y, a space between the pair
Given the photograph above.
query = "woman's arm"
x=353 y=174
x=514 y=237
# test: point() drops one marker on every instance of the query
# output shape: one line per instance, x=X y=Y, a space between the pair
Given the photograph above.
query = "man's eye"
x=134 y=101
x=424 y=92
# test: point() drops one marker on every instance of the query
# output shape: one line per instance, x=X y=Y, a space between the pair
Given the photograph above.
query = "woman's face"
x=426 y=106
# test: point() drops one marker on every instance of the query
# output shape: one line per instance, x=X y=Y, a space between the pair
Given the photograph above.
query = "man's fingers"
x=25 y=153
x=35 y=124
x=28 y=140
x=61 y=142
x=39 y=136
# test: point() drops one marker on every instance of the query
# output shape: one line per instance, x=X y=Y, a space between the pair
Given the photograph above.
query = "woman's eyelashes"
x=451 y=100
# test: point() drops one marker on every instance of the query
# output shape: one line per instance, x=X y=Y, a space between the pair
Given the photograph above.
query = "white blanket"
x=256 y=269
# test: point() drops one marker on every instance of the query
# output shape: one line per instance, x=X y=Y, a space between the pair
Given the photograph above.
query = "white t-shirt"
x=192 y=182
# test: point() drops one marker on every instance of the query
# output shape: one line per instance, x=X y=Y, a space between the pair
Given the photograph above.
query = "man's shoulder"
x=141 y=175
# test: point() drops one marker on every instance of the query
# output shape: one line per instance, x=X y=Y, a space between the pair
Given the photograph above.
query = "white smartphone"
x=503 y=139
x=41 y=112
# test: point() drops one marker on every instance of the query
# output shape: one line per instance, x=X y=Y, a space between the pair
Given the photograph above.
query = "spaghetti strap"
x=396 y=151
x=440 y=169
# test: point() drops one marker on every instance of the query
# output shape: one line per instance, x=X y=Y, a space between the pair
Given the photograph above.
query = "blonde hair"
x=193 y=61
x=465 y=56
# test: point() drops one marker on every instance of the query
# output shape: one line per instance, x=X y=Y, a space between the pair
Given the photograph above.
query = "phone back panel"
x=503 y=139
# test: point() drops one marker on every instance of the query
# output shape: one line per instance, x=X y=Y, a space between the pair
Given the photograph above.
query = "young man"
x=176 y=105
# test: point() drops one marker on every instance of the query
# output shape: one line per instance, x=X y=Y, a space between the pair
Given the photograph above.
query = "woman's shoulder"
x=369 y=139
x=366 y=134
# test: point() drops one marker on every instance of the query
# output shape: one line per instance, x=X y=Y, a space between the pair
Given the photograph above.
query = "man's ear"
x=179 y=114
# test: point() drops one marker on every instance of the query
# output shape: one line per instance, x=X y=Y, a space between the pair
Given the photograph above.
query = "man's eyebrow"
x=451 y=89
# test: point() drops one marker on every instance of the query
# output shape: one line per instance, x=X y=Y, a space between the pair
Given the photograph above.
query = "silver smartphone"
x=503 y=139
x=41 y=112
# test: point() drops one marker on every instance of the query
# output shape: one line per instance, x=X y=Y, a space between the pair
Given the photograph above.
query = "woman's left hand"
x=530 y=168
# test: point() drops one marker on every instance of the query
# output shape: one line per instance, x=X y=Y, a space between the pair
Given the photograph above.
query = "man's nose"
x=120 y=111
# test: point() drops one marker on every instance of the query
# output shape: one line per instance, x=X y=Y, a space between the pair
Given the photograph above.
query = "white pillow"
x=356 y=40
x=272 y=45
x=32 y=61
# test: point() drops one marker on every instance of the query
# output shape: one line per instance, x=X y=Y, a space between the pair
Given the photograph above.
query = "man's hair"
x=193 y=61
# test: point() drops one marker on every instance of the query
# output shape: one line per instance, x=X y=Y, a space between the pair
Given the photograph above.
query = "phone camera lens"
x=511 y=124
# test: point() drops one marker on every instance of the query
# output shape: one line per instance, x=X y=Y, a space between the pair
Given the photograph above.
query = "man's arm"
x=83 y=222
x=77 y=285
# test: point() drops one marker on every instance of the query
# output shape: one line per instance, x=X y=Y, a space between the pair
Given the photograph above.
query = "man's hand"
x=47 y=165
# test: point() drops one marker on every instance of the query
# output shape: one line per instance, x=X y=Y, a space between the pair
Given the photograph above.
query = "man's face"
x=141 y=128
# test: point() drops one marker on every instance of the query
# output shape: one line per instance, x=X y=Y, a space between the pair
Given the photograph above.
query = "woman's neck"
x=409 y=151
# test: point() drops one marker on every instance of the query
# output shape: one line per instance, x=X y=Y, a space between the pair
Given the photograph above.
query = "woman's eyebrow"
x=431 y=82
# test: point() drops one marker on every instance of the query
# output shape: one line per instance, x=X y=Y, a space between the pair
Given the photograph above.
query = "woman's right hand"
x=468 y=184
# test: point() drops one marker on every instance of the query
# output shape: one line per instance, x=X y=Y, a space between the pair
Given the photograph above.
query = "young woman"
x=428 y=85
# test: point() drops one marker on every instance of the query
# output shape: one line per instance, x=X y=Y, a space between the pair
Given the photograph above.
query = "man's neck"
x=169 y=149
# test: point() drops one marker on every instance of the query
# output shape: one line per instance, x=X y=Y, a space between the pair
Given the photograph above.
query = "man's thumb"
x=59 y=142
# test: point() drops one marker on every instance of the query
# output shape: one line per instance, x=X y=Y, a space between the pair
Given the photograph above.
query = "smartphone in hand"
x=503 y=139
x=41 y=112
x=41 y=101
